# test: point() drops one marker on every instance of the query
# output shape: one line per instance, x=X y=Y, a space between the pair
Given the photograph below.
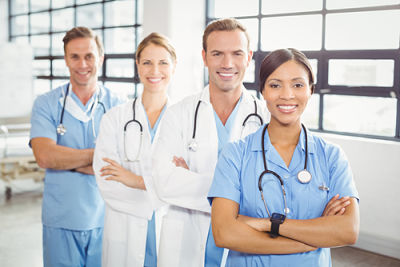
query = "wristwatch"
x=276 y=220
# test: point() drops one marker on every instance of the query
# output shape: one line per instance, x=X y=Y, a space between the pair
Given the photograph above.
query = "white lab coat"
x=185 y=227
x=127 y=209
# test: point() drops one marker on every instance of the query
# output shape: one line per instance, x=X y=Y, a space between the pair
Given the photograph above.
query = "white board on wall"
x=16 y=90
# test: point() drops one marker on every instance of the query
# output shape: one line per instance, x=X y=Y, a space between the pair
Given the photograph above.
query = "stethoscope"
x=192 y=146
x=133 y=120
x=303 y=176
x=61 y=129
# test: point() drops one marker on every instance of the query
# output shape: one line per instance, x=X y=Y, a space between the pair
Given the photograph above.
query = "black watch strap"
x=274 y=229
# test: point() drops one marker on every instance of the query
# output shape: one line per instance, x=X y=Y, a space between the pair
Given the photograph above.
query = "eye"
x=146 y=63
x=89 y=57
x=163 y=62
x=215 y=54
x=238 y=53
x=298 y=85
x=273 y=85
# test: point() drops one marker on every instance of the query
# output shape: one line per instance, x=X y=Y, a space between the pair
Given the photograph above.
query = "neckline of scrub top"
x=153 y=130
x=89 y=104
x=224 y=131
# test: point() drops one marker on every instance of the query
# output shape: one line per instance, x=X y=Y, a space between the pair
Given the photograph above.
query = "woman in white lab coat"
x=122 y=161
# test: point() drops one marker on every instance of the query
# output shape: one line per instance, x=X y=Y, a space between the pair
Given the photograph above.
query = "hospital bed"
x=16 y=158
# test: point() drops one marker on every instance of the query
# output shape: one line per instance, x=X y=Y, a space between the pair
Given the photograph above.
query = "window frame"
x=103 y=77
x=323 y=56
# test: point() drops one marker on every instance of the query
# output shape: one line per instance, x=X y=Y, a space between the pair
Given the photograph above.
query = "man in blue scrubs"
x=64 y=125
x=192 y=134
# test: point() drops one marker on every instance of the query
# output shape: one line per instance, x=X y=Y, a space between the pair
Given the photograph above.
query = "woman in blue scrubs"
x=282 y=196
x=122 y=161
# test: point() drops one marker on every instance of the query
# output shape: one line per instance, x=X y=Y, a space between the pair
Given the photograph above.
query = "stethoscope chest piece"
x=192 y=145
x=304 y=176
x=61 y=130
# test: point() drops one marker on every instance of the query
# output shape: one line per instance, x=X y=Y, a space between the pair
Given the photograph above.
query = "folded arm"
x=231 y=232
x=50 y=155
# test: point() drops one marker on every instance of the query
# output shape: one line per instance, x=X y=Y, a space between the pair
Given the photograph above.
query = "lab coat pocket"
x=170 y=241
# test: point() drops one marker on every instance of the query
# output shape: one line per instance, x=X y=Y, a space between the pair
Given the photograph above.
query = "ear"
x=101 y=60
x=204 y=54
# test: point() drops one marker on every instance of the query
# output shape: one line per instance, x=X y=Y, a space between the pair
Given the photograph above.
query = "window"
x=43 y=24
x=353 y=47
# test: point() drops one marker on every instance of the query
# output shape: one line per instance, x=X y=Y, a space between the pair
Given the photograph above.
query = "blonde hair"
x=156 y=39
x=227 y=24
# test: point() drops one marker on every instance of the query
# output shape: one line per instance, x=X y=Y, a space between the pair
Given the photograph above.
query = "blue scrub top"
x=213 y=257
x=236 y=178
x=151 y=247
x=71 y=200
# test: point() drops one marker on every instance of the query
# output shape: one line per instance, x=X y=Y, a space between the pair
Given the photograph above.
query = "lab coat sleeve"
x=116 y=195
x=176 y=185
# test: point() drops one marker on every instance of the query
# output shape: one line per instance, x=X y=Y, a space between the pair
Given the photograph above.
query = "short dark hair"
x=228 y=24
x=83 y=32
x=276 y=58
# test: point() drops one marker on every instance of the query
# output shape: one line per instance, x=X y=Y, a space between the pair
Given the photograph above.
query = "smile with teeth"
x=154 y=80
x=287 y=108
x=226 y=75
x=83 y=72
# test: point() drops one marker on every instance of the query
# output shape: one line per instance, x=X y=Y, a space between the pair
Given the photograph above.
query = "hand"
x=180 y=162
x=336 y=206
x=116 y=172
x=85 y=170
x=259 y=224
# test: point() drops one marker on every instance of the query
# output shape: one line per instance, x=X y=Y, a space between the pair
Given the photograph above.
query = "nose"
x=82 y=63
x=155 y=69
x=286 y=92
x=227 y=62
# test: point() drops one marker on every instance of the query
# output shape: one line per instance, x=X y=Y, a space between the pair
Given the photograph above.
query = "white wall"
x=183 y=22
x=3 y=21
x=375 y=165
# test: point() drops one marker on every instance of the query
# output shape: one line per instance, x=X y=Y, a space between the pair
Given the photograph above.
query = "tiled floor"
x=21 y=230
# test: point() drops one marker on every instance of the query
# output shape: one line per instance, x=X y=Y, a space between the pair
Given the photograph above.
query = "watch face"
x=277 y=217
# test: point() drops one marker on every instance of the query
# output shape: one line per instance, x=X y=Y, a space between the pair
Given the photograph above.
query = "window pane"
x=41 y=45
x=292 y=31
x=288 y=6
x=361 y=72
x=59 y=68
x=120 y=13
x=360 y=114
x=361 y=30
x=249 y=76
x=310 y=116
x=19 y=6
x=124 y=90
x=120 y=67
x=57 y=44
x=252 y=28
x=89 y=16
x=20 y=39
x=40 y=86
x=119 y=40
x=337 y=4
x=63 y=19
x=40 y=22
x=40 y=5
x=62 y=3
x=19 y=25
x=235 y=8
x=41 y=67
x=58 y=83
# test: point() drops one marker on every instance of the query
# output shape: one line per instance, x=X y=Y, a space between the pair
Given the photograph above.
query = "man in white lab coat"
x=193 y=133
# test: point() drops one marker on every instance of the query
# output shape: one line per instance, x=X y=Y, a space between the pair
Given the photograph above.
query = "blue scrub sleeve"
x=340 y=174
x=43 y=123
x=226 y=182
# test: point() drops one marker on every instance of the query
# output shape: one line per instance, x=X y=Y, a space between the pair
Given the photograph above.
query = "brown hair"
x=83 y=32
x=228 y=24
x=276 y=58
x=156 y=39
